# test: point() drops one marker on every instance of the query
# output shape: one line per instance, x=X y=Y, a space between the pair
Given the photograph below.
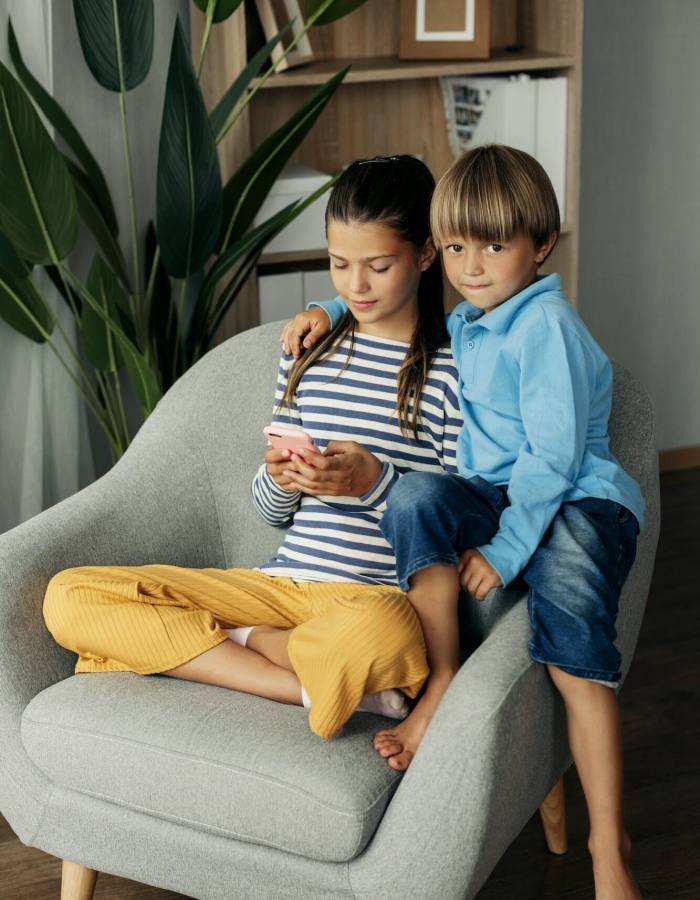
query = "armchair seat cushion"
x=216 y=760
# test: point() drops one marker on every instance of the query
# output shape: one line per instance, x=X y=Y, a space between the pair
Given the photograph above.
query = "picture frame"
x=274 y=15
x=445 y=29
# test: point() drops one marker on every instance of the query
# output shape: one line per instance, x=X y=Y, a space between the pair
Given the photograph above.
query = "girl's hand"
x=346 y=469
x=314 y=324
x=476 y=575
x=277 y=460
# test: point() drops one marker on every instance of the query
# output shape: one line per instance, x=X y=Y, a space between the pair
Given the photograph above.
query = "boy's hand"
x=277 y=461
x=346 y=469
x=304 y=330
x=476 y=575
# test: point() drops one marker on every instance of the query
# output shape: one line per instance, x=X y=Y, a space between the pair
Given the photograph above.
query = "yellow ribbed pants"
x=348 y=639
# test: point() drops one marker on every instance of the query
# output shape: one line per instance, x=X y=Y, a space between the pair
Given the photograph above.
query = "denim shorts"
x=574 y=578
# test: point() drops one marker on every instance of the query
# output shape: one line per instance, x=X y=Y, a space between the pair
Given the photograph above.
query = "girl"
x=323 y=623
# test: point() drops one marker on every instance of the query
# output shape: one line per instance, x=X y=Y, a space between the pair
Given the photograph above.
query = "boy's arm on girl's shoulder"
x=557 y=378
x=275 y=505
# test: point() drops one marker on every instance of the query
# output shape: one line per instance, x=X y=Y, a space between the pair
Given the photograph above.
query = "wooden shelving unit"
x=386 y=105
x=388 y=68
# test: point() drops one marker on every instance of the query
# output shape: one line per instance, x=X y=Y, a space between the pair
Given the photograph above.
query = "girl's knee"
x=61 y=605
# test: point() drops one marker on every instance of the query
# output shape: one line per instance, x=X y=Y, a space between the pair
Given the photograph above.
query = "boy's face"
x=487 y=273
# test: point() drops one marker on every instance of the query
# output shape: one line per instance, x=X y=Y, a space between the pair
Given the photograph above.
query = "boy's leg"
x=575 y=578
x=593 y=721
x=429 y=520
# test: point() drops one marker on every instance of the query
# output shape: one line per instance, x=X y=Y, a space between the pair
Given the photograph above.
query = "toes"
x=401 y=761
x=388 y=747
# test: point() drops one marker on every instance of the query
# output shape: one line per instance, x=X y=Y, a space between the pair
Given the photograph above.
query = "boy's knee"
x=413 y=490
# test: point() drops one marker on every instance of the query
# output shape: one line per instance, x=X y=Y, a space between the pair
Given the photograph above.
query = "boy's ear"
x=428 y=254
x=546 y=248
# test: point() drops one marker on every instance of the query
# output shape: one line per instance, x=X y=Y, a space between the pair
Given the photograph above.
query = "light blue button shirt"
x=536 y=394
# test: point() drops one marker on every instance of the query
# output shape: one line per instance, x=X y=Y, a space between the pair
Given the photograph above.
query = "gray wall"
x=639 y=289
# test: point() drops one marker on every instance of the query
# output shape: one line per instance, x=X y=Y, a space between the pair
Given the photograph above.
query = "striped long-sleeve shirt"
x=338 y=538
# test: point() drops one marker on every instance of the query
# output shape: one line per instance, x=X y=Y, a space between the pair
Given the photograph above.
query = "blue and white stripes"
x=338 y=538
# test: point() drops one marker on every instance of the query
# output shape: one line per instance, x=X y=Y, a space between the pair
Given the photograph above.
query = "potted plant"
x=132 y=319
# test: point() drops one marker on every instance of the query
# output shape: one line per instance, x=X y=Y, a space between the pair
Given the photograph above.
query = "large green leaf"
x=10 y=262
x=37 y=200
x=336 y=10
x=240 y=258
x=249 y=185
x=91 y=214
x=100 y=345
x=222 y=8
x=114 y=30
x=225 y=106
x=189 y=181
x=23 y=307
x=63 y=125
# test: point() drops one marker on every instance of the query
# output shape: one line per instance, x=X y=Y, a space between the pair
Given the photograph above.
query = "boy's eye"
x=335 y=265
x=379 y=270
x=494 y=248
x=454 y=248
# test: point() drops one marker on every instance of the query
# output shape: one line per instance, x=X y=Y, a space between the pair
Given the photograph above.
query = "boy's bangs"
x=466 y=205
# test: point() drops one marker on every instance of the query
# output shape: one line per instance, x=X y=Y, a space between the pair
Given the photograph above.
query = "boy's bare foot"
x=612 y=873
x=398 y=745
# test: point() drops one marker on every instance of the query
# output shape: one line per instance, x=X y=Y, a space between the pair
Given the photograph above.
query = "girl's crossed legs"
x=344 y=640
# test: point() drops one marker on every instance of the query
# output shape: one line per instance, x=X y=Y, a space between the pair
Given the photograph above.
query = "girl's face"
x=377 y=273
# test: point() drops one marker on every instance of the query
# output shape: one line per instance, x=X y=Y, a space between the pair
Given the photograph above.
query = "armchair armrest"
x=496 y=745
x=156 y=504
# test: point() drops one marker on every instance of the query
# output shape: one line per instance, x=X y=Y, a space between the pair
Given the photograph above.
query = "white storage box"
x=308 y=230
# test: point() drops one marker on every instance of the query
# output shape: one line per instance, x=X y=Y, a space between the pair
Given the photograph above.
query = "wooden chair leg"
x=553 y=814
x=77 y=882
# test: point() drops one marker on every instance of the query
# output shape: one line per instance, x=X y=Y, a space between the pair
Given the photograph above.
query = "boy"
x=538 y=494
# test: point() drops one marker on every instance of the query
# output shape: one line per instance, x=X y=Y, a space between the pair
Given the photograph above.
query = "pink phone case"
x=289 y=437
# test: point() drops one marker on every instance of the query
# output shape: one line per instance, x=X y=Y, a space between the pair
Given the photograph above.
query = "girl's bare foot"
x=398 y=745
x=612 y=872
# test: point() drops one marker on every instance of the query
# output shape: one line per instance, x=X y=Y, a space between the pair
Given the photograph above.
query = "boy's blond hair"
x=495 y=193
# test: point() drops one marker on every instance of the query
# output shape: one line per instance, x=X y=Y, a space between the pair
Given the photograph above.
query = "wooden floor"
x=662 y=736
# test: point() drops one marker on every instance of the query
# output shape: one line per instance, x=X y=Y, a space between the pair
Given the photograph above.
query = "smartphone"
x=289 y=437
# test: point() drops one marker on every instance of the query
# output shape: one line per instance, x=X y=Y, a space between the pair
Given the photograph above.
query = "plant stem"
x=130 y=178
x=122 y=411
x=211 y=6
x=108 y=405
x=250 y=93
x=180 y=318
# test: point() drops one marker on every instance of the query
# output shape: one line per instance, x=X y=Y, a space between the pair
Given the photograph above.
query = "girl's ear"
x=427 y=254
x=546 y=248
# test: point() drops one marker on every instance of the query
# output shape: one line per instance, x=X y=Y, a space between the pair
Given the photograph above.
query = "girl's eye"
x=495 y=248
x=454 y=248
x=335 y=265
x=385 y=269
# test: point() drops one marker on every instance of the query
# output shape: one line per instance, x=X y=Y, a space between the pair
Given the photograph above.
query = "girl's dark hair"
x=394 y=191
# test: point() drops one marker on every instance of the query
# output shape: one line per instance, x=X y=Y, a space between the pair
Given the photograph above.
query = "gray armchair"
x=223 y=795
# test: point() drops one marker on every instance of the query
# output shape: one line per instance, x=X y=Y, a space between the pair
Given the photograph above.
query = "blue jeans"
x=574 y=578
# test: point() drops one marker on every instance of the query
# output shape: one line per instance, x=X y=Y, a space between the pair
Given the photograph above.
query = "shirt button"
x=470 y=345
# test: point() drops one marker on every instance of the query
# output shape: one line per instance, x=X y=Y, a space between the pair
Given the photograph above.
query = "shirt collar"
x=500 y=318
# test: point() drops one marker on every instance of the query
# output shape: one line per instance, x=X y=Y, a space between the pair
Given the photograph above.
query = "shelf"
x=320 y=255
x=389 y=68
